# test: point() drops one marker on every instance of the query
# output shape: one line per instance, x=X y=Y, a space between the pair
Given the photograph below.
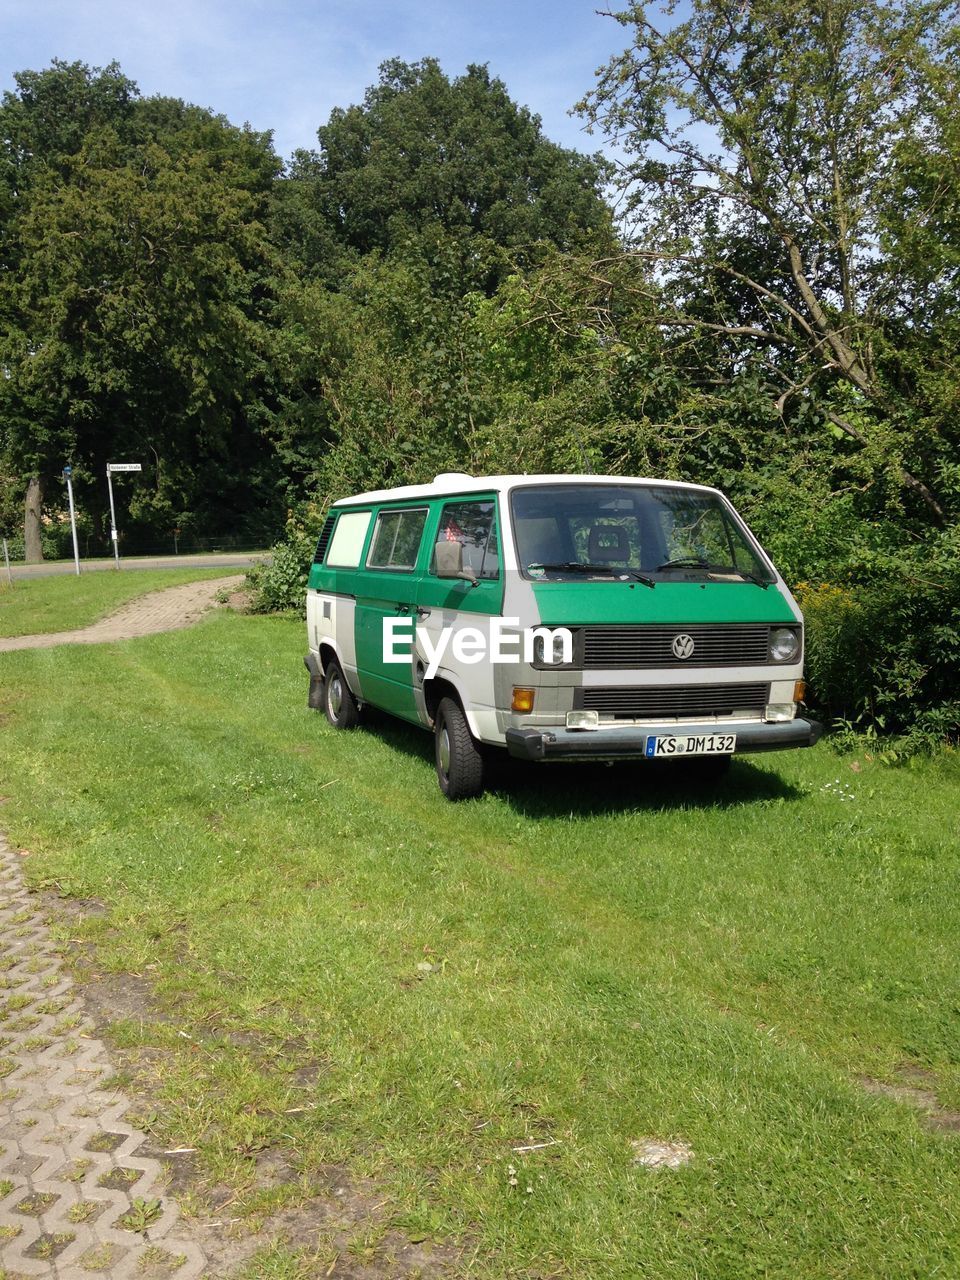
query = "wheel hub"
x=335 y=700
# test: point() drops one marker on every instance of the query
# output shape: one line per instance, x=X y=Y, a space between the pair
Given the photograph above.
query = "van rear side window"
x=396 y=539
x=347 y=542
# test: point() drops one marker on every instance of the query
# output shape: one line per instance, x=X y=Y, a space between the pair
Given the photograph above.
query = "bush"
x=281 y=586
x=57 y=543
x=883 y=647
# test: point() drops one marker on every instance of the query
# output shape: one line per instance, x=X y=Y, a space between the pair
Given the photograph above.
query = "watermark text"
x=502 y=640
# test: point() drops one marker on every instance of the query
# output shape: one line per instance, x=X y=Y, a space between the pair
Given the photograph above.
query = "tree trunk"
x=32 y=547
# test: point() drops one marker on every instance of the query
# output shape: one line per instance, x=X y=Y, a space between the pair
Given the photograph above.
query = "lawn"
x=348 y=972
x=35 y=605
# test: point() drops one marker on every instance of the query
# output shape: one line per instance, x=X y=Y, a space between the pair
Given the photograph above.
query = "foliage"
x=426 y=156
x=280 y=586
x=130 y=300
x=762 y=141
x=884 y=646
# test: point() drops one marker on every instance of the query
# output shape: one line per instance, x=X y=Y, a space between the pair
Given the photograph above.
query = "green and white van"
x=558 y=617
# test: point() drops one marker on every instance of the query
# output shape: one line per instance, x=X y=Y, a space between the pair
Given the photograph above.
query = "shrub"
x=883 y=646
x=281 y=586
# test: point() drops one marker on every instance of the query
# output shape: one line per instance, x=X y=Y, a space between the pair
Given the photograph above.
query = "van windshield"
x=593 y=532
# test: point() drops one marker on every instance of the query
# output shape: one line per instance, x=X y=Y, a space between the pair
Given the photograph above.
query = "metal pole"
x=113 y=519
x=67 y=472
x=6 y=556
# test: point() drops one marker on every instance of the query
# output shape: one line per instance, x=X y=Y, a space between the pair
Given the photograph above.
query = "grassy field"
x=347 y=971
x=37 y=605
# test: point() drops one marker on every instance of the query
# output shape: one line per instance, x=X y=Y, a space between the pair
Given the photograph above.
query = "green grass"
x=60 y=603
x=615 y=956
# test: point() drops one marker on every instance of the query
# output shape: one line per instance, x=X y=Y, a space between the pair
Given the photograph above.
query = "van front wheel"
x=339 y=704
x=459 y=762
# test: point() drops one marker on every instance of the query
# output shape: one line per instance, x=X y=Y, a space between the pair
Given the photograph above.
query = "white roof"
x=455 y=482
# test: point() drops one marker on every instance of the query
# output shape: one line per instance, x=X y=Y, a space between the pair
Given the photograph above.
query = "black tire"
x=339 y=704
x=458 y=757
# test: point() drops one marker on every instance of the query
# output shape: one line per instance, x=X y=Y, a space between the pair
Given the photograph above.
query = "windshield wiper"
x=694 y=562
x=578 y=566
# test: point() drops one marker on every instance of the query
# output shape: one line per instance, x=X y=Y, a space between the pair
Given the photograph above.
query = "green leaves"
x=426 y=157
x=135 y=287
x=782 y=158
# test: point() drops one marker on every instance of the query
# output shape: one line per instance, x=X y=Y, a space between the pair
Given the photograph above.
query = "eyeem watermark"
x=502 y=641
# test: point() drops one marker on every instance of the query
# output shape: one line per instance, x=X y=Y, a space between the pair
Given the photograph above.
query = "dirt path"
x=166 y=610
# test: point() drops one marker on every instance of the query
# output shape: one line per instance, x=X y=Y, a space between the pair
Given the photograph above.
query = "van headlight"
x=549 y=652
x=784 y=644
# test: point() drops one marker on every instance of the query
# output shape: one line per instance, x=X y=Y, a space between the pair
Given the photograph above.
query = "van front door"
x=451 y=605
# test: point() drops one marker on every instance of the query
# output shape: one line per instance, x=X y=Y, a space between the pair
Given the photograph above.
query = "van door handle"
x=422 y=613
x=403 y=608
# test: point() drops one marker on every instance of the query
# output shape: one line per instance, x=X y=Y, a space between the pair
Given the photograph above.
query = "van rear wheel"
x=339 y=704
x=458 y=757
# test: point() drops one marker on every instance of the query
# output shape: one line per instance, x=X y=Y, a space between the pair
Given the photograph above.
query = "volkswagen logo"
x=682 y=646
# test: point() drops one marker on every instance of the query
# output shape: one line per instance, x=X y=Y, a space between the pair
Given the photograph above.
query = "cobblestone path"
x=166 y=610
x=76 y=1199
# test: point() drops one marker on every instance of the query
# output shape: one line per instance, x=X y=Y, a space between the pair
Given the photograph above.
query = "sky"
x=284 y=64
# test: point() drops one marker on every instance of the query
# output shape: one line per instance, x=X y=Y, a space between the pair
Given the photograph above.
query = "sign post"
x=67 y=475
x=111 y=468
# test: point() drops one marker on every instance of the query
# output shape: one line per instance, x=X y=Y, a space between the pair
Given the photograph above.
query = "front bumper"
x=630 y=743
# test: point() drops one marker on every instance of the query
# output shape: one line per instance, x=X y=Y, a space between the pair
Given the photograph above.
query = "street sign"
x=111 y=468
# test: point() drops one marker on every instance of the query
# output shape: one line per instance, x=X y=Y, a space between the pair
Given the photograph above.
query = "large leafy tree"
x=418 y=203
x=768 y=148
x=134 y=291
x=42 y=127
x=425 y=160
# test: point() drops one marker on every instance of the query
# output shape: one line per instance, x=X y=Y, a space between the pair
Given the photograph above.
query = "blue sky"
x=283 y=64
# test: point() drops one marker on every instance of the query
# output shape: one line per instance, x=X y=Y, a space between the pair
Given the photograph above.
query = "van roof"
x=456 y=482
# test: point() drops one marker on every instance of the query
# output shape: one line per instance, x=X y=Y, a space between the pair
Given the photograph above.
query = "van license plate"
x=676 y=744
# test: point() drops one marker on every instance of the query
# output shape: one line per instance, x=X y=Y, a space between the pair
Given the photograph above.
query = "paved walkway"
x=166 y=610
x=75 y=1197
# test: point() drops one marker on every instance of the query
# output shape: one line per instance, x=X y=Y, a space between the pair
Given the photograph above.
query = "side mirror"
x=448 y=558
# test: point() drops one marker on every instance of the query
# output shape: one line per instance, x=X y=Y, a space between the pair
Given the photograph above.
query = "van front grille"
x=728 y=645
x=677 y=702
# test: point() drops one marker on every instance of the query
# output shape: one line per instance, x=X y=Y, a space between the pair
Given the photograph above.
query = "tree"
x=425 y=155
x=42 y=127
x=765 y=147
x=134 y=293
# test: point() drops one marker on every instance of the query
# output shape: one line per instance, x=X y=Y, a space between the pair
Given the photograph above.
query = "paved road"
x=166 y=610
x=211 y=560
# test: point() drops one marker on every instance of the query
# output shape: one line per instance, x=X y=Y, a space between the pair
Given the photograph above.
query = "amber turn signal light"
x=522 y=700
x=800 y=691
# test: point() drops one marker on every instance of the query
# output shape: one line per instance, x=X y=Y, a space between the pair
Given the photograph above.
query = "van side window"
x=347 y=541
x=474 y=526
x=396 y=539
